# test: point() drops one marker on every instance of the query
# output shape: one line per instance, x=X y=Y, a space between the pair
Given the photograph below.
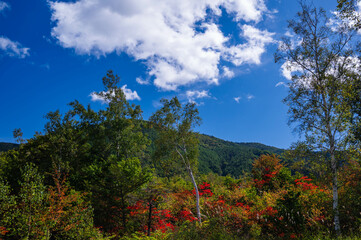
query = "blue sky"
x=217 y=53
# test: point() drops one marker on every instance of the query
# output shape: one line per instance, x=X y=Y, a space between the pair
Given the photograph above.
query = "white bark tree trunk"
x=197 y=194
x=335 y=206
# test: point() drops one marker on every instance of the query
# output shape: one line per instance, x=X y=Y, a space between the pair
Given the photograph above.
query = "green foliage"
x=223 y=157
x=176 y=141
x=88 y=176
x=32 y=195
x=318 y=93
x=7 y=146
x=8 y=209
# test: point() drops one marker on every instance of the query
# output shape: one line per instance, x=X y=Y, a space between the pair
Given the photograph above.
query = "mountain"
x=7 y=146
x=215 y=155
x=224 y=157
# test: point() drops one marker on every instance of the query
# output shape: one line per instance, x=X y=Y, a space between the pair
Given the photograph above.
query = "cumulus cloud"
x=237 y=99
x=252 y=50
x=129 y=95
x=288 y=68
x=163 y=34
x=293 y=71
x=95 y=98
x=13 y=49
x=227 y=72
x=192 y=95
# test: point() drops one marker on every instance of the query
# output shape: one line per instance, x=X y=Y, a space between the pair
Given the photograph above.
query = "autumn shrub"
x=265 y=170
x=350 y=197
x=40 y=212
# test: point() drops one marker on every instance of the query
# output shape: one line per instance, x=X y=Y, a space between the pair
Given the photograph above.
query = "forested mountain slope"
x=7 y=146
x=224 y=157
x=216 y=155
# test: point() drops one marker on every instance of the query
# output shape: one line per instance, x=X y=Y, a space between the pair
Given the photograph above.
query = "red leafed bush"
x=204 y=190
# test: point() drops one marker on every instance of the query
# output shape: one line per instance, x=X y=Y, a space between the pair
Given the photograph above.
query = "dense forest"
x=110 y=174
x=215 y=155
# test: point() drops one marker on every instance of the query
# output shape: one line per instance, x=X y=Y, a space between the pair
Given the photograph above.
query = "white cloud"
x=142 y=81
x=237 y=99
x=162 y=33
x=281 y=84
x=227 y=72
x=3 y=6
x=13 y=49
x=251 y=51
x=129 y=95
x=95 y=98
x=193 y=95
x=288 y=68
x=250 y=97
x=250 y=10
x=293 y=71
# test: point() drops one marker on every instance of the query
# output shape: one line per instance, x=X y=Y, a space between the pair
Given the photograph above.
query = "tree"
x=8 y=209
x=88 y=146
x=348 y=11
x=127 y=176
x=176 y=139
x=320 y=58
x=32 y=195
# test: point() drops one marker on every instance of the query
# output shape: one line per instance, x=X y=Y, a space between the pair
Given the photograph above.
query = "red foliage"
x=204 y=190
x=247 y=207
x=265 y=169
x=3 y=231
x=186 y=215
x=303 y=183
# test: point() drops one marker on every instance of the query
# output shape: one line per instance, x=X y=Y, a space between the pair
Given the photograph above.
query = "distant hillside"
x=224 y=157
x=7 y=146
x=215 y=155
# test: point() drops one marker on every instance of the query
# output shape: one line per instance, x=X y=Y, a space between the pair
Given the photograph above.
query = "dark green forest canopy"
x=229 y=158
x=4 y=146
x=215 y=155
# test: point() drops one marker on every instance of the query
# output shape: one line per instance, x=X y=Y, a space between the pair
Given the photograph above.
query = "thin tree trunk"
x=124 y=214
x=150 y=217
x=335 y=206
x=197 y=194
x=189 y=169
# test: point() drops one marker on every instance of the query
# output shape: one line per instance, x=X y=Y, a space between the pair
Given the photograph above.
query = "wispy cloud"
x=193 y=95
x=281 y=84
x=227 y=72
x=250 y=97
x=142 y=81
x=13 y=49
x=4 y=6
x=162 y=34
x=129 y=95
x=237 y=99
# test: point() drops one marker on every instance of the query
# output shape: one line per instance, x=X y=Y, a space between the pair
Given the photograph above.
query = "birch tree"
x=317 y=53
x=176 y=138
